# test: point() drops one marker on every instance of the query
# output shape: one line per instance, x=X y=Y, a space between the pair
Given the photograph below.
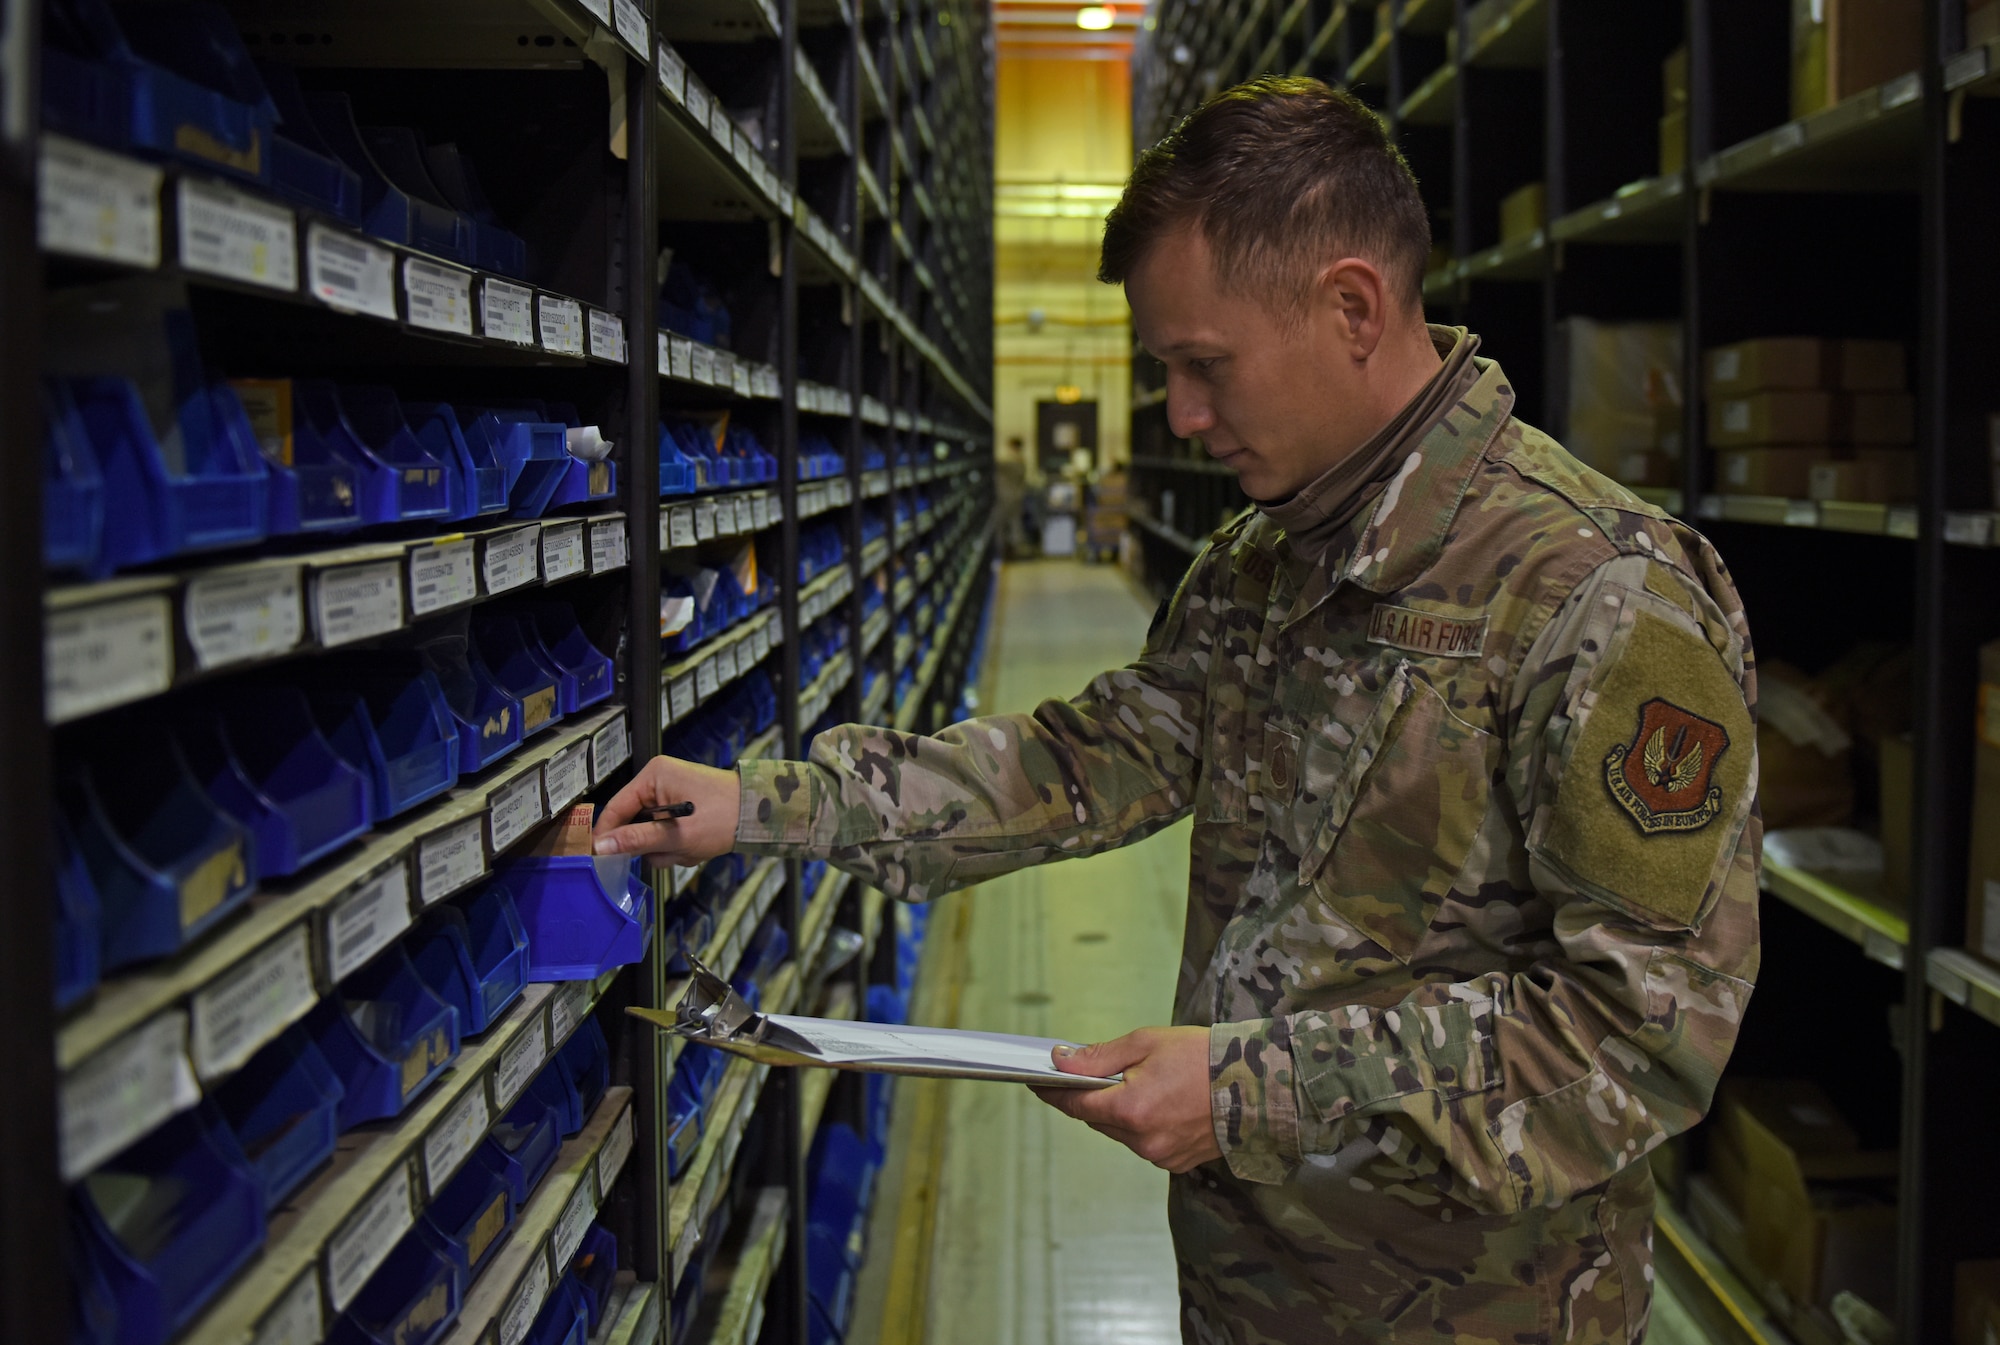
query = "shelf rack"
x=1737 y=235
x=826 y=164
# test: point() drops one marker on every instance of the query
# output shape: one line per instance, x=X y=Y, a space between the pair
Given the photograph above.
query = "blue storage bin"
x=388 y=210
x=585 y=914
x=400 y=478
x=412 y=1298
x=887 y=1005
x=264 y=760
x=218 y=497
x=595 y=1268
x=677 y=470
x=399 y=154
x=585 y=1059
x=93 y=1305
x=685 y=1108
x=499 y=250
x=388 y=717
x=475 y=959
x=167 y=863
x=584 y=481
x=534 y=452
x=564 y=1320
x=284 y=1109
x=79 y=921
x=480 y=484
x=511 y=659
x=768 y=948
x=488 y=720
x=304 y=168
x=829 y=1279
x=319 y=489
x=523 y=1146
x=820 y=1331
x=168 y=1221
x=72 y=486
x=473 y=1215
x=386 y=1034
x=559 y=1091
x=588 y=675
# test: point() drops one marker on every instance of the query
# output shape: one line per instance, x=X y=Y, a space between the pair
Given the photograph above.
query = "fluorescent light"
x=1095 y=18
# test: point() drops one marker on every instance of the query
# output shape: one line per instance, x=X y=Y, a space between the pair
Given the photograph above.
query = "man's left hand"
x=1161 y=1111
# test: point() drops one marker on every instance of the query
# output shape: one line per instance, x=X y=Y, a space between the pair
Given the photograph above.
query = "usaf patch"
x=1663 y=776
x=1426 y=632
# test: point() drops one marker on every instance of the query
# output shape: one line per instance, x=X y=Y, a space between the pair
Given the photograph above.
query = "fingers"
x=643 y=838
x=1105 y=1058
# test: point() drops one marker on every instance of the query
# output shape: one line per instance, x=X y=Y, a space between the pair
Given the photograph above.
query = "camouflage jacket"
x=1472 y=910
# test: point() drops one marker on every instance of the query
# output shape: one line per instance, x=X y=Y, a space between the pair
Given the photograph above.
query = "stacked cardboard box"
x=1842 y=47
x=1107 y=516
x=1802 y=417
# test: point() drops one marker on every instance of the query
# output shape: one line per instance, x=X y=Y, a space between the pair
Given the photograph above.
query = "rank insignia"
x=1663 y=776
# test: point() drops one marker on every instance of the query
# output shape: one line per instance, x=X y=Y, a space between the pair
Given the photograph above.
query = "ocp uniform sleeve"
x=920 y=816
x=1531 y=1087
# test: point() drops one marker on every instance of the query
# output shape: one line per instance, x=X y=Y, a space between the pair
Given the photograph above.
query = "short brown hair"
x=1281 y=175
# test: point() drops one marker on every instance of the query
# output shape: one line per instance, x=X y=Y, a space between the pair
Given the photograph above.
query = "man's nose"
x=1188 y=411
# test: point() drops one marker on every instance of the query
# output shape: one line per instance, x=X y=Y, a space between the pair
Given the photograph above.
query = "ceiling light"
x=1096 y=18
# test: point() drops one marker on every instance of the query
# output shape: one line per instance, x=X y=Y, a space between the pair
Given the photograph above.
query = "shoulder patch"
x=1655 y=778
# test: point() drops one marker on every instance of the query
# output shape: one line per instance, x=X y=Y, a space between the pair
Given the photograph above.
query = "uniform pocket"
x=1401 y=818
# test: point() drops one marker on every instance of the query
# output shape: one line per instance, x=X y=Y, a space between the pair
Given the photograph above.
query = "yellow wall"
x=1068 y=123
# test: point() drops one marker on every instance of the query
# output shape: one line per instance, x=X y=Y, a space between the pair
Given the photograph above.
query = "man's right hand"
x=709 y=832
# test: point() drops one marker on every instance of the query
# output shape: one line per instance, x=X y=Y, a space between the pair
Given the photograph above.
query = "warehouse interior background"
x=395 y=368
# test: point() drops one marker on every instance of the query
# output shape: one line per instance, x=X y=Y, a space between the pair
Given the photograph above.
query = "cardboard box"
x=1898 y=785
x=1674 y=81
x=1770 y=418
x=1785 y=471
x=1873 y=366
x=1876 y=418
x=1770 y=364
x=1647 y=467
x=1976 y=1304
x=1668 y=430
x=1523 y=211
x=1841 y=47
x=1869 y=476
x=1982 y=898
x=1805 y=758
x=1673 y=143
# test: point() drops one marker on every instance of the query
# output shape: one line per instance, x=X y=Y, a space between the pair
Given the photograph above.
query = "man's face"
x=1263 y=390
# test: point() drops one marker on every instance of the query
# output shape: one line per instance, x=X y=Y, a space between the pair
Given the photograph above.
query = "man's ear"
x=1354 y=296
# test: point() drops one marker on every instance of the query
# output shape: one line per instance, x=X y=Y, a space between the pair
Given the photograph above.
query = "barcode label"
x=124 y=1091
x=610 y=746
x=511 y=560
x=562 y=551
x=567 y=775
x=607 y=545
x=251 y=1003
x=698 y=101
x=449 y=859
x=94 y=204
x=681 y=696
x=225 y=233
x=681 y=526
x=617 y=1148
x=673 y=73
x=561 y=323
x=367 y=920
x=574 y=1222
x=357 y=601
x=297 y=1319
x=704 y=520
x=520 y=1062
x=705 y=679
x=567 y=1008
x=701 y=364
x=438 y=298
x=106 y=654
x=230 y=617
x=350 y=274
x=631 y=22
x=515 y=808
x=607 y=335
x=506 y=312
x=366 y=1240
x=443 y=576
x=725 y=664
x=454 y=1137
x=526 y=1303
x=683 y=357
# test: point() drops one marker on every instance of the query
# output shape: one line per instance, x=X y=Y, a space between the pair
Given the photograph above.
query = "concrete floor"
x=1048 y=1233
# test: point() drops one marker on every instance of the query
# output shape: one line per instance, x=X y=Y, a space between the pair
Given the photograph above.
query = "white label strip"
x=230 y=617
x=106 y=654
x=455 y=1136
x=357 y=601
x=365 y=1241
x=682 y=351
x=526 y=1304
x=520 y=1062
x=607 y=545
x=574 y=1222
x=561 y=322
x=681 y=696
x=701 y=364
x=610 y=746
x=123 y=1091
x=297 y=1319
x=617 y=1148
x=368 y=919
x=514 y=809
x=673 y=73
x=631 y=22
x=704 y=520
x=567 y=775
x=251 y=1003
x=563 y=552
x=506 y=312
x=437 y=298
x=665 y=357
x=607 y=335
x=705 y=679
x=600 y=9
x=567 y=1009
x=443 y=576
x=512 y=560
x=94 y=204
x=449 y=859
x=680 y=526
x=225 y=233
x=349 y=273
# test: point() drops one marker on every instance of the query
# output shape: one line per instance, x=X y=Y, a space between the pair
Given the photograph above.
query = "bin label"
x=232 y=616
x=682 y=695
x=349 y=273
x=607 y=545
x=368 y=919
x=574 y=1222
x=357 y=601
x=610 y=746
x=673 y=73
x=106 y=654
x=455 y=1135
x=125 y=1090
x=99 y=205
x=701 y=364
x=682 y=351
x=506 y=312
x=449 y=859
x=567 y=1008
x=617 y=1148
x=511 y=560
x=443 y=576
x=520 y=1062
x=705 y=680
x=514 y=809
x=526 y=1304
x=631 y=22
x=365 y=1241
x=296 y=1320
x=562 y=551
x=567 y=775
x=251 y=1003
x=437 y=298
x=681 y=529
x=226 y=233
x=607 y=334
x=561 y=324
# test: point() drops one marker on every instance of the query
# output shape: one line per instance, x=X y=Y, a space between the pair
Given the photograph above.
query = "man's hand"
x=710 y=831
x=1161 y=1111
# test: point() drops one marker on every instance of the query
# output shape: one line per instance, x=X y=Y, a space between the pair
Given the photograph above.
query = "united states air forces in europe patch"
x=1663 y=776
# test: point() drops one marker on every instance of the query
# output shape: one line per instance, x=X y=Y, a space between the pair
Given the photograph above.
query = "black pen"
x=666 y=812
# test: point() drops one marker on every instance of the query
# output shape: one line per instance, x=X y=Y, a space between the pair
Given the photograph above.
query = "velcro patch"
x=1426 y=632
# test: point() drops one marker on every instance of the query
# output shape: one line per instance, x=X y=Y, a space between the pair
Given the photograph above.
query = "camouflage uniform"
x=1472 y=914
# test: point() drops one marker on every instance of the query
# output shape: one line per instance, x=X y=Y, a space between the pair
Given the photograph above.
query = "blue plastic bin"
x=564 y=1320
x=584 y=914
x=167 y=863
x=400 y=478
x=168 y=1221
x=585 y=1059
x=386 y=1034
x=388 y=210
x=400 y=154
x=473 y=1215
x=595 y=1268
x=510 y=655
x=480 y=484
x=488 y=720
x=319 y=489
x=534 y=452
x=475 y=958
x=678 y=471
x=412 y=1298
x=499 y=250
x=685 y=1108
x=284 y=1109
x=72 y=486
x=388 y=718
x=79 y=921
x=263 y=759
x=588 y=675
x=304 y=168
x=523 y=1145
x=559 y=1092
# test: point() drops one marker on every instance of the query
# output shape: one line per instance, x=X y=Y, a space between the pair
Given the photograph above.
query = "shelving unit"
x=1750 y=238
x=762 y=218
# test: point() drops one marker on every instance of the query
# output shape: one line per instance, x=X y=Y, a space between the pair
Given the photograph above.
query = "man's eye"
x=1203 y=366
